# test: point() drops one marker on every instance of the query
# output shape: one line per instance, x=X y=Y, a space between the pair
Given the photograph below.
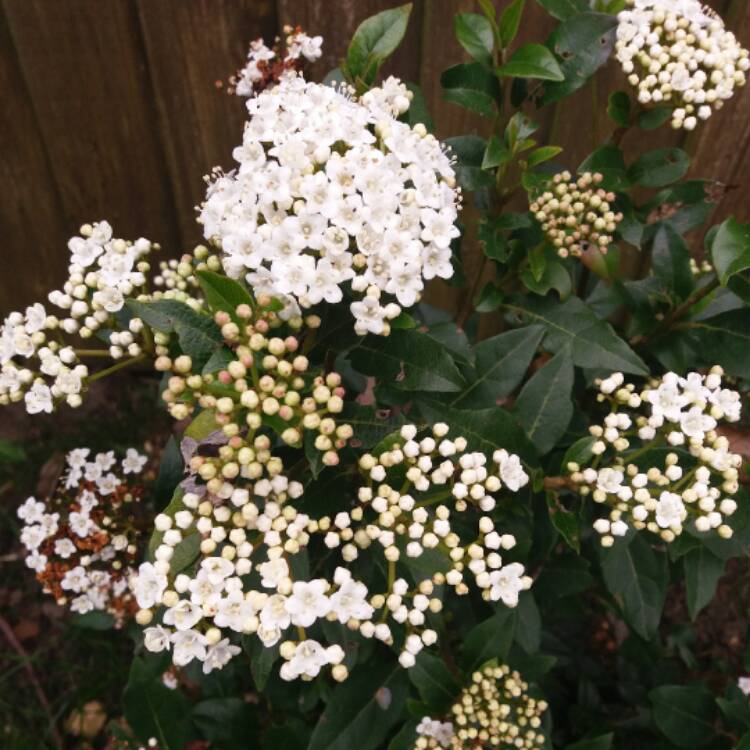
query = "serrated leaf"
x=592 y=342
x=474 y=33
x=637 y=577
x=501 y=363
x=407 y=360
x=703 y=570
x=544 y=406
x=532 y=61
x=223 y=293
x=730 y=249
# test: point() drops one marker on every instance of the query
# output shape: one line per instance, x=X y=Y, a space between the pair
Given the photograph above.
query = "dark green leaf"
x=469 y=152
x=501 y=363
x=542 y=154
x=407 y=360
x=603 y=742
x=94 y=620
x=580 y=452
x=730 y=249
x=474 y=32
x=226 y=721
x=671 y=261
x=619 y=108
x=223 y=293
x=510 y=20
x=528 y=632
x=654 y=118
x=592 y=342
x=583 y=42
x=637 y=577
x=375 y=39
x=418 y=111
x=171 y=470
x=724 y=340
x=703 y=570
x=370 y=425
x=685 y=714
x=363 y=710
x=489 y=299
x=452 y=338
x=436 y=685
x=262 y=660
x=490 y=639
x=660 y=167
x=544 y=406
x=485 y=429
x=496 y=154
x=472 y=86
x=609 y=161
x=532 y=61
x=566 y=522
x=564 y=9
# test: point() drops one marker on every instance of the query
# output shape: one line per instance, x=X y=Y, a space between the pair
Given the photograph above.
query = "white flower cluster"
x=265 y=65
x=494 y=711
x=577 y=214
x=82 y=542
x=688 y=485
x=253 y=526
x=678 y=52
x=34 y=365
x=331 y=191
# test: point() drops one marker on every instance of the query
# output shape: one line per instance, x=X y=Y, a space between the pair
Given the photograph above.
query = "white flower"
x=308 y=658
x=76 y=579
x=233 y=611
x=350 y=601
x=184 y=615
x=273 y=572
x=308 y=602
x=609 y=480
x=31 y=511
x=511 y=470
x=743 y=683
x=507 y=583
x=148 y=586
x=188 y=645
x=156 y=638
x=670 y=510
x=219 y=655
x=64 y=548
x=39 y=399
x=695 y=424
x=133 y=462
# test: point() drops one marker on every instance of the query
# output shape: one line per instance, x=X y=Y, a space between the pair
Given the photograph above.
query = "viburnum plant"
x=394 y=532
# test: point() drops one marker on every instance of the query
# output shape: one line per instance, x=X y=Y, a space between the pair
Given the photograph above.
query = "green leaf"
x=501 y=363
x=660 y=167
x=619 y=108
x=542 y=154
x=652 y=119
x=724 y=340
x=434 y=682
x=223 y=293
x=203 y=424
x=370 y=425
x=703 y=570
x=584 y=42
x=580 y=452
x=496 y=153
x=532 y=61
x=472 y=86
x=474 y=32
x=262 y=660
x=637 y=577
x=528 y=632
x=564 y=9
x=11 y=453
x=685 y=714
x=375 y=39
x=489 y=299
x=418 y=111
x=153 y=710
x=490 y=639
x=603 y=742
x=610 y=162
x=454 y=339
x=566 y=522
x=571 y=324
x=407 y=360
x=671 y=261
x=544 y=406
x=363 y=710
x=94 y=620
x=469 y=152
x=510 y=20
x=226 y=721
x=730 y=249
x=485 y=429
x=744 y=743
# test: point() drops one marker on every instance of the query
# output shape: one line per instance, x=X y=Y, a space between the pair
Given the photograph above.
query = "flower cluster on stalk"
x=577 y=214
x=82 y=543
x=496 y=710
x=249 y=530
x=334 y=194
x=678 y=52
x=659 y=462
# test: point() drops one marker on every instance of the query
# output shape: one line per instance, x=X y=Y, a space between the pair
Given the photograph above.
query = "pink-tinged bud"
x=244 y=311
x=291 y=343
x=247 y=360
x=264 y=300
x=340 y=392
x=225 y=377
x=222 y=419
x=222 y=318
x=330 y=458
x=196 y=462
x=286 y=412
x=235 y=442
x=262 y=326
x=279 y=391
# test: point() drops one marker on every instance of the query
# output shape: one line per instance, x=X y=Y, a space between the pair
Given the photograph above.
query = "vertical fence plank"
x=30 y=212
x=192 y=44
x=86 y=74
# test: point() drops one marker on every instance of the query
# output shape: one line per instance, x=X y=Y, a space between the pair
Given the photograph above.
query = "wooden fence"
x=110 y=110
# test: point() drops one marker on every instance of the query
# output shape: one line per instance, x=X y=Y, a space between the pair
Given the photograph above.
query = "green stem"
x=114 y=368
x=93 y=353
